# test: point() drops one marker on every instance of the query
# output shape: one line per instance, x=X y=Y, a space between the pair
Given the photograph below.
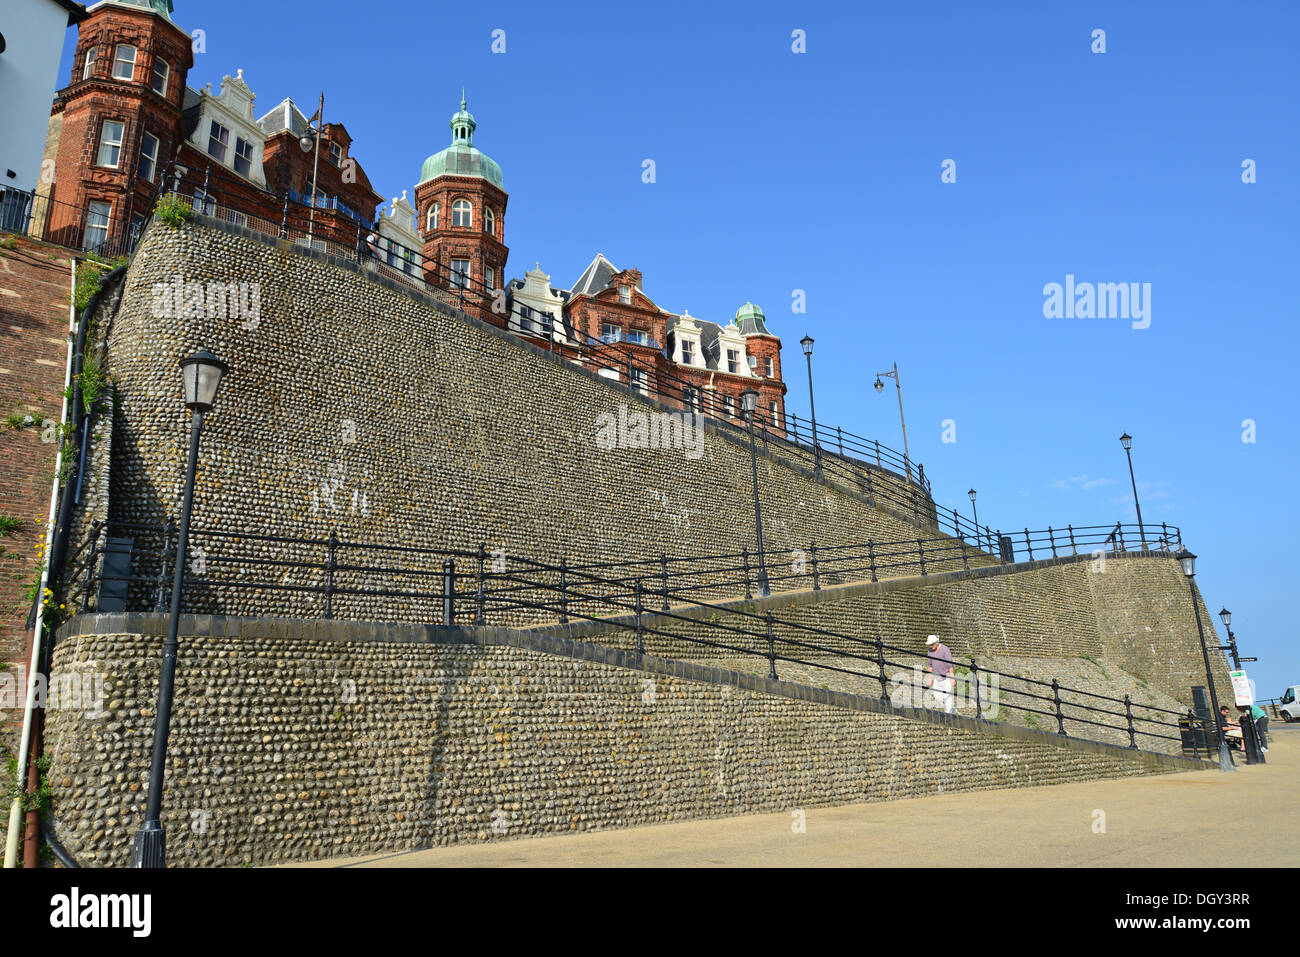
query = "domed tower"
x=460 y=206
x=764 y=350
x=118 y=120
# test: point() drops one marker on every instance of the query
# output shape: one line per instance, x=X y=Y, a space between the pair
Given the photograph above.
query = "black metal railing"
x=651 y=604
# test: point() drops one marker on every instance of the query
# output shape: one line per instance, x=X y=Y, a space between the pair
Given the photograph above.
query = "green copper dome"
x=751 y=320
x=461 y=158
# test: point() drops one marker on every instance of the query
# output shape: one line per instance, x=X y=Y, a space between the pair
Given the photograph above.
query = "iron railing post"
x=449 y=591
x=478 y=589
x=663 y=561
x=880 y=661
x=1132 y=735
x=975 y=680
x=1029 y=545
x=920 y=551
x=744 y=555
x=965 y=564
x=284 y=220
x=1074 y=549
x=816 y=580
x=1051 y=537
x=564 y=591
x=640 y=624
x=871 y=555
x=771 y=649
x=331 y=565
x=1056 y=698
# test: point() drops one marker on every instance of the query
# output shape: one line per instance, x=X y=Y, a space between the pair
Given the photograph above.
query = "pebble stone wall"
x=372 y=411
x=300 y=741
x=1134 y=612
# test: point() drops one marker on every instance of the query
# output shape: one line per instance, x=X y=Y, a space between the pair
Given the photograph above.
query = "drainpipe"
x=55 y=541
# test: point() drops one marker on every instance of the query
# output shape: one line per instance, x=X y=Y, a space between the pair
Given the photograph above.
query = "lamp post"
x=1249 y=736
x=807 y=343
x=1188 y=561
x=306 y=141
x=1126 y=440
x=201 y=376
x=748 y=402
x=976 y=513
x=880 y=387
x=1225 y=616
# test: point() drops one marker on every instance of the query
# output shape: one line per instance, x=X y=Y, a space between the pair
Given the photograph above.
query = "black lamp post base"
x=1225 y=757
x=150 y=849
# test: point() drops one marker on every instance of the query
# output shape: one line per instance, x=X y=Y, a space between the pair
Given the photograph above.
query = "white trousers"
x=942 y=689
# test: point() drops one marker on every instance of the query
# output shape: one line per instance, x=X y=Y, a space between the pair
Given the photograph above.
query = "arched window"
x=161 y=71
x=431 y=221
x=489 y=221
x=461 y=213
x=91 y=56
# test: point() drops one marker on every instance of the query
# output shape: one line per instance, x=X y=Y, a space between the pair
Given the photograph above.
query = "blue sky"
x=820 y=171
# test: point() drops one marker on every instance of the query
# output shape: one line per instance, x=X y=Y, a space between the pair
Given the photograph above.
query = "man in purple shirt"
x=941 y=678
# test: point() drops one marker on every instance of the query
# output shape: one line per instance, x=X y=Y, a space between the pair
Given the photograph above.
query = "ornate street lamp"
x=309 y=139
x=201 y=377
x=976 y=512
x=807 y=343
x=748 y=402
x=880 y=387
x=1126 y=440
x=1188 y=561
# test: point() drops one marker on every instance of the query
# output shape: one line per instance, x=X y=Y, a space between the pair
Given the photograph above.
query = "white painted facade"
x=232 y=108
x=397 y=230
x=33 y=31
x=687 y=350
x=536 y=297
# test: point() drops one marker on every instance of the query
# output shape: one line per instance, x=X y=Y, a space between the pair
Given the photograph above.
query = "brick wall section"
x=292 y=741
x=35 y=281
x=462 y=434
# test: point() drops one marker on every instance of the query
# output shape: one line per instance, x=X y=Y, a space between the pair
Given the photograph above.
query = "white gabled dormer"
x=533 y=300
x=686 y=345
x=731 y=348
x=238 y=141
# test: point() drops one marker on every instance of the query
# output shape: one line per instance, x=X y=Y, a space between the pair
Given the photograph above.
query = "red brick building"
x=127 y=114
x=460 y=208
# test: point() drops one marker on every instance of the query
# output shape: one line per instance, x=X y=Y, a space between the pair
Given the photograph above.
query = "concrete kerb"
x=155 y=625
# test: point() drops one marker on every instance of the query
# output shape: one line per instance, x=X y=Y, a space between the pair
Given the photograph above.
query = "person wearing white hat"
x=940 y=676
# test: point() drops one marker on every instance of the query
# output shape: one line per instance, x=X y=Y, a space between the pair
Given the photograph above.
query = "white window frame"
x=625 y=294
x=733 y=360
x=771 y=368
x=610 y=333
x=92 y=58
x=638 y=337
x=431 y=218
x=148 y=156
x=490 y=278
x=688 y=352
x=489 y=221
x=107 y=215
x=775 y=413
x=165 y=76
x=105 y=143
x=336 y=154
x=462 y=207
x=460 y=277
x=222 y=141
x=640 y=381
x=241 y=142
x=729 y=406
x=118 y=58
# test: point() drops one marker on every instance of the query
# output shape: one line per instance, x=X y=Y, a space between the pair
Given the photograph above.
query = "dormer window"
x=461 y=213
x=92 y=55
x=489 y=221
x=688 y=352
x=431 y=218
x=124 y=62
x=336 y=154
x=625 y=294
x=243 y=157
x=218 y=140
x=160 y=73
x=733 y=360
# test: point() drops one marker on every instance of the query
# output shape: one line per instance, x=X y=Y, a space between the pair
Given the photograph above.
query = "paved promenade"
x=1190 y=819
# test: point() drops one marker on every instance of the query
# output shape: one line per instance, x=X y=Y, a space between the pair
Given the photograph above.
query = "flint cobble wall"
x=1132 y=612
x=377 y=413
x=298 y=741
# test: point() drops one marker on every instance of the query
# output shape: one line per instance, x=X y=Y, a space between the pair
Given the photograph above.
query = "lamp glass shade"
x=306 y=143
x=807 y=343
x=1226 y=617
x=1188 y=561
x=971 y=493
x=1126 y=440
x=748 y=399
x=201 y=376
x=880 y=386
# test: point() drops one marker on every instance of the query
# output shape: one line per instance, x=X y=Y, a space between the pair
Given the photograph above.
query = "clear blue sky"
x=820 y=171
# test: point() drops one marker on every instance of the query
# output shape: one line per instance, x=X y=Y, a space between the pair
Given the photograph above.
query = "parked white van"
x=1289 y=704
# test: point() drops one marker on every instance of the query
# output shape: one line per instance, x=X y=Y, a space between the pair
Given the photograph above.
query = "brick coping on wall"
x=150 y=624
x=437 y=305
